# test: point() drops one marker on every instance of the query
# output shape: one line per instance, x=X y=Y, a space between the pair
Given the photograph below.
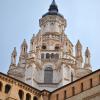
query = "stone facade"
x=50 y=62
x=85 y=88
x=50 y=70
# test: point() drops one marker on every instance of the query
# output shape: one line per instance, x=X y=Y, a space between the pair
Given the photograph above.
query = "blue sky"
x=19 y=19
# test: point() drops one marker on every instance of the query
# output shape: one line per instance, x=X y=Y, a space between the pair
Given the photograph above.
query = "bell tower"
x=50 y=63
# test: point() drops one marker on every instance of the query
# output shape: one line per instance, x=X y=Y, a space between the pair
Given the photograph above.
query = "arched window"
x=56 y=56
x=1 y=86
x=21 y=94
x=28 y=96
x=47 y=55
x=52 y=56
x=7 y=88
x=42 y=56
x=35 y=98
x=48 y=75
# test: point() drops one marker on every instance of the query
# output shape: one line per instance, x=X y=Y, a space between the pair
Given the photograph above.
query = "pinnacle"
x=14 y=51
x=53 y=2
x=24 y=43
x=87 y=52
x=78 y=44
x=14 y=48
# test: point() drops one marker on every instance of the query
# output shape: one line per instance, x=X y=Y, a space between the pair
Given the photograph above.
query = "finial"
x=78 y=44
x=53 y=7
x=87 y=64
x=13 y=56
x=87 y=52
x=24 y=48
x=33 y=35
x=14 y=53
x=14 y=48
x=53 y=10
x=24 y=43
x=53 y=2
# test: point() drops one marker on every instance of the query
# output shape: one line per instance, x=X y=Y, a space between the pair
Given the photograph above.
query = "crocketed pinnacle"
x=87 y=52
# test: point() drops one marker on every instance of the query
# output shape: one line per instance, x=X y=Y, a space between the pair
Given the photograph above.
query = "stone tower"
x=50 y=62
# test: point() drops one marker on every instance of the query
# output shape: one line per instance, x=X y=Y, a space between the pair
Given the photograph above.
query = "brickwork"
x=81 y=89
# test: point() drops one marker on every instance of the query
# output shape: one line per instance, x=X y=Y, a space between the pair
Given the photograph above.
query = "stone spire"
x=87 y=52
x=13 y=57
x=78 y=54
x=78 y=49
x=87 y=64
x=23 y=54
x=24 y=48
x=13 y=60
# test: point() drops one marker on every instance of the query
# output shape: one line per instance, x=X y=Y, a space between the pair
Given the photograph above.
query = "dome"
x=53 y=10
